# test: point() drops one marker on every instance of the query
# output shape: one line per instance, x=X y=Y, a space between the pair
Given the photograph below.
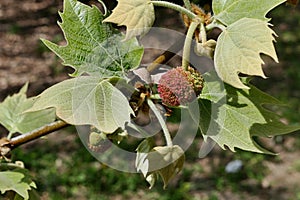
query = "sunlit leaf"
x=230 y=11
x=94 y=47
x=235 y=119
x=137 y=15
x=15 y=120
x=87 y=100
x=238 y=50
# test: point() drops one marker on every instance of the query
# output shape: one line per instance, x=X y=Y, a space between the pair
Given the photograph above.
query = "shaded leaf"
x=165 y=161
x=15 y=181
x=230 y=11
x=15 y=120
x=239 y=47
x=93 y=47
x=213 y=87
x=137 y=15
x=87 y=100
x=142 y=152
x=233 y=121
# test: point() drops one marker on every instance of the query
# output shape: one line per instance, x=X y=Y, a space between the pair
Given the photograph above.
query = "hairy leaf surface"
x=93 y=47
x=238 y=50
x=87 y=100
x=230 y=11
x=14 y=119
x=137 y=15
x=233 y=120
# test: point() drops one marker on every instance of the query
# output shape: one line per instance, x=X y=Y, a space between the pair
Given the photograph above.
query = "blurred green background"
x=64 y=169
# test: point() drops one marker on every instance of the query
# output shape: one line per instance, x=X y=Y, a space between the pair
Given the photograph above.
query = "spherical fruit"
x=179 y=86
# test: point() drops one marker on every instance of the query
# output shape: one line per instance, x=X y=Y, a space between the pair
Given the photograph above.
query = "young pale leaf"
x=230 y=11
x=87 y=100
x=137 y=15
x=233 y=121
x=15 y=120
x=15 y=181
x=239 y=47
x=166 y=161
x=93 y=47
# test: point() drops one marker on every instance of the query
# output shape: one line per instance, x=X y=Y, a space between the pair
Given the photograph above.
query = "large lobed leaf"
x=238 y=50
x=230 y=11
x=87 y=100
x=93 y=47
x=233 y=120
x=14 y=119
x=137 y=15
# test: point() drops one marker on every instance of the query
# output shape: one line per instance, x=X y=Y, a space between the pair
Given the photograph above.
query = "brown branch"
x=7 y=145
x=167 y=55
x=37 y=133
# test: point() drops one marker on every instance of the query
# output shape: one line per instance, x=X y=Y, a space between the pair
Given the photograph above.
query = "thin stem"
x=203 y=33
x=30 y=136
x=161 y=122
x=176 y=7
x=215 y=24
x=188 y=44
x=187 y=4
x=10 y=134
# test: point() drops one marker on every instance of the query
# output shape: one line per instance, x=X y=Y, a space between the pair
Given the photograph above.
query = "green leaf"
x=137 y=15
x=93 y=47
x=213 y=87
x=238 y=50
x=235 y=119
x=87 y=100
x=164 y=160
x=230 y=11
x=15 y=120
x=142 y=151
x=16 y=181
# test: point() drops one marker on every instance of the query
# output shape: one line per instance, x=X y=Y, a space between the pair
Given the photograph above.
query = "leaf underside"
x=239 y=47
x=87 y=100
x=137 y=15
x=94 y=47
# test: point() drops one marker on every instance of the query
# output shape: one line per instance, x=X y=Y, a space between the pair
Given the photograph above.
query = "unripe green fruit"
x=98 y=142
x=179 y=86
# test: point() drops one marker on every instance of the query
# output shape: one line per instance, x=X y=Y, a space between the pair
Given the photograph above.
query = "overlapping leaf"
x=238 y=50
x=87 y=100
x=15 y=120
x=137 y=15
x=233 y=120
x=230 y=11
x=93 y=47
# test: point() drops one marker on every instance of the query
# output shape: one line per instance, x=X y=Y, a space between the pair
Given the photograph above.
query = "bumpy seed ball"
x=179 y=86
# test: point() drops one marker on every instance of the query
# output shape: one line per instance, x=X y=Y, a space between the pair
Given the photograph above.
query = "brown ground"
x=23 y=58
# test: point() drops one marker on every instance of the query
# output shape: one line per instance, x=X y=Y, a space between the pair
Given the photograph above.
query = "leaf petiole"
x=187 y=4
x=176 y=7
x=188 y=44
x=162 y=123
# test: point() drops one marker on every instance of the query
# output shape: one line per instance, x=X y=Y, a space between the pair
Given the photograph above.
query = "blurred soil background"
x=63 y=168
